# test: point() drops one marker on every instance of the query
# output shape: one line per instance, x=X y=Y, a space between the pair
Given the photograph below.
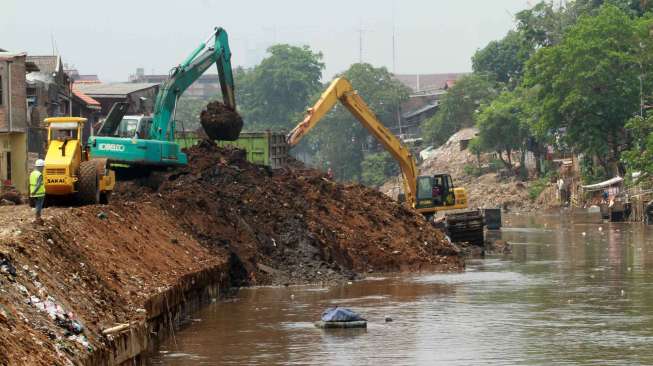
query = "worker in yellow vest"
x=37 y=189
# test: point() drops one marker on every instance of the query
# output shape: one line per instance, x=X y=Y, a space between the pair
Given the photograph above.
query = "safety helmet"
x=39 y=163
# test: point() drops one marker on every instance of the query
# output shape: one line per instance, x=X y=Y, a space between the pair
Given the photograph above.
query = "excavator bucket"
x=221 y=122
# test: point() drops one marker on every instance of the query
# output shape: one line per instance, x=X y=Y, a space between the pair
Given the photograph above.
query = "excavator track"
x=466 y=227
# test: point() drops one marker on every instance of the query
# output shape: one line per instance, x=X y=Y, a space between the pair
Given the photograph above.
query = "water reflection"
x=574 y=291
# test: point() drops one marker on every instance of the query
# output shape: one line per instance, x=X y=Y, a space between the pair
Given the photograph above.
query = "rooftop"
x=46 y=64
x=420 y=82
x=112 y=89
x=90 y=102
x=421 y=110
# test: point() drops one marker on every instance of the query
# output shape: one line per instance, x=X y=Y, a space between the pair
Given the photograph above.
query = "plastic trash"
x=7 y=267
x=340 y=315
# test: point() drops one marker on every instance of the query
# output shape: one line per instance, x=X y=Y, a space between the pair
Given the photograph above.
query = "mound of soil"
x=295 y=225
x=103 y=264
x=221 y=122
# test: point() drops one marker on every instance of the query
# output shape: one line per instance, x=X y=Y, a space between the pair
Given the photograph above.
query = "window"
x=424 y=188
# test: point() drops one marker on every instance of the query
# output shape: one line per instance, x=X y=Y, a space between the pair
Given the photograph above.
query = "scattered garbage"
x=388 y=319
x=57 y=313
x=7 y=268
x=341 y=318
x=102 y=215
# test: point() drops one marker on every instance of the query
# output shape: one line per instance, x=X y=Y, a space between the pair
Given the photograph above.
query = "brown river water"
x=574 y=291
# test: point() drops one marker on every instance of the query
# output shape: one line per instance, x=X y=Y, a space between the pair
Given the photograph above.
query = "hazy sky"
x=112 y=38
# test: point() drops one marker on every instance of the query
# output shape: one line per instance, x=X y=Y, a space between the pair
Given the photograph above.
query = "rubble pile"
x=486 y=191
x=296 y=225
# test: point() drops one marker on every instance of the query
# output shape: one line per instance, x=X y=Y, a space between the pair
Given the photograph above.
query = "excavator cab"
x=438 y=191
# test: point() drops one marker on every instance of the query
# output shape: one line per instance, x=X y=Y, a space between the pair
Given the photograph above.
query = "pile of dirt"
x=221 y=122
x=489 y=190
x=295 y=225
x=11 y=197
x=98 y=266
x=94 y=266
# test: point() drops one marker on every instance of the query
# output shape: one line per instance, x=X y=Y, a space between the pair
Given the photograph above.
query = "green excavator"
x=150 y=142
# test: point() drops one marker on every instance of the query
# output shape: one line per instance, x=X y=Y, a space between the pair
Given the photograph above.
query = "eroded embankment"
x=218 y=222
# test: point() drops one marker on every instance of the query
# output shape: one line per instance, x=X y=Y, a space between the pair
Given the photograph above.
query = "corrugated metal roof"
x=419 y=111
x=9 y=55
x=112 y=89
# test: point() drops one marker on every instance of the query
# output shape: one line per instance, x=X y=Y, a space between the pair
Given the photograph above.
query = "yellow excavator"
x=427 y=194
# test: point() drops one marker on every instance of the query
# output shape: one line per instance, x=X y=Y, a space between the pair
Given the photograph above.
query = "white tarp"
x=603 y=185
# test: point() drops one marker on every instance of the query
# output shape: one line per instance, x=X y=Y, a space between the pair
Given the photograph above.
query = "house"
x=206 y=86
x=14 y=126
x=140 y=96
x=427 y=83
x=79 y=78
x=424 y=101
x=48 y=90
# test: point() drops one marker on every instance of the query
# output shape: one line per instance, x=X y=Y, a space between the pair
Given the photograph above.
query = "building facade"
x=13 y=121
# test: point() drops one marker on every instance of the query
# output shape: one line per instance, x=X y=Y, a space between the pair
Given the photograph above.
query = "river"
x=574 y=290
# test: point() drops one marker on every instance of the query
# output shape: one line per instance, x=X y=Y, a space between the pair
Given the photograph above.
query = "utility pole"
x=394 y=41
x=360 y=43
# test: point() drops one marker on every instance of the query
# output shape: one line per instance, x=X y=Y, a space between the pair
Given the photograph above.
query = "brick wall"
x=17 y=85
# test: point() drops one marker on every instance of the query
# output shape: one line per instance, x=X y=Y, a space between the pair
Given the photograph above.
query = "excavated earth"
x=220 y=122
x=103 y=264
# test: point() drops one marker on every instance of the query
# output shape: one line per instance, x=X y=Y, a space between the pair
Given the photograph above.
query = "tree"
x=501 y=127
x=275 y=93
x=377 y=167
x=640 y=155
x=504 y=59
x=188 y=112
x=587 y=85
x=340 y=140
x=458 y=107
x=476 y=148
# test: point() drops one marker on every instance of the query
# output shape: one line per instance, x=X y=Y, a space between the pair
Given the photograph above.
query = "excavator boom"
x=156 y=146
x=341 y=90
x=185 y=74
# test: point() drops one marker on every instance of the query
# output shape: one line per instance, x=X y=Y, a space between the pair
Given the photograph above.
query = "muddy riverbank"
x=574 y=290
x=95 y=284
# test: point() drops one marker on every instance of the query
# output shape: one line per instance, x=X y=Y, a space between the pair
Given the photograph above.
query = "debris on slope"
x=93 y=267
x=295 y=225
x=486 y=191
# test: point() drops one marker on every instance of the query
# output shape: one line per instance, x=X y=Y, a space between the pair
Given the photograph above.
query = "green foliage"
x=458 y=107
x=537 y=187
x=504 y=59
x=476 y=148
x=188 y=113
x=378 y=168
x=640 y=155
x=473 y=170
x=500 y=126
x=275 y=93
x=588 y=84
x=340 y=138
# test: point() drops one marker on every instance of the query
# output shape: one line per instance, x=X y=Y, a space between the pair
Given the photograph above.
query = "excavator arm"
x=341 y=90
x=185 y=74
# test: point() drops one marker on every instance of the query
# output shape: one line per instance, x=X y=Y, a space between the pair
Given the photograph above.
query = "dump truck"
x=70 y=172
x=427 y=194
x=262 y=148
